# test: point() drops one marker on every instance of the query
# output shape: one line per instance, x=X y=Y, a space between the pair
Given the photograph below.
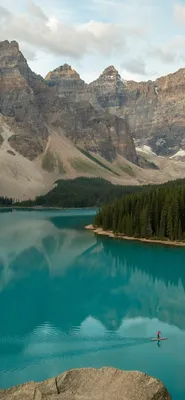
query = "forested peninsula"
x=80 y=193
x=157 y=213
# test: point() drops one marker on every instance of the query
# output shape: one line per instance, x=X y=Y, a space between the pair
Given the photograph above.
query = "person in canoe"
x=158 y=335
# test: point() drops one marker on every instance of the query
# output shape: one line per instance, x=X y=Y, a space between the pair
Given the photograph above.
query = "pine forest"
x=157 y=213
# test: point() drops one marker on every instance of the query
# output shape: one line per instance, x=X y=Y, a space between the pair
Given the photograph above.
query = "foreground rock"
x=91 y=384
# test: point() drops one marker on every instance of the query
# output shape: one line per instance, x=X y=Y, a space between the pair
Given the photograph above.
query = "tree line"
x=79 y=193
x=157 y=212
x=5 y=201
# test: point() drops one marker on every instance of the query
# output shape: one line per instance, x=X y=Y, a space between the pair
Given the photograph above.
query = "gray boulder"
x=91 y=384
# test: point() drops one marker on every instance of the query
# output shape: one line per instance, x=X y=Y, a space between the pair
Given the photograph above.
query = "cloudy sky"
x=143 y=39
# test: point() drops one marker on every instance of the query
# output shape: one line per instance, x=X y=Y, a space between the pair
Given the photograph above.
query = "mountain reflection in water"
x=69 y=298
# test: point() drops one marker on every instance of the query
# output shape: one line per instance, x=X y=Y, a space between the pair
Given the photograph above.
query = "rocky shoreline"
x=91 y=384
x=100 y=231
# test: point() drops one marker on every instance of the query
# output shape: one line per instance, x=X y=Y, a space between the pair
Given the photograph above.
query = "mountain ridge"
x=35 y=100
x=61 y=127
x=154 y=108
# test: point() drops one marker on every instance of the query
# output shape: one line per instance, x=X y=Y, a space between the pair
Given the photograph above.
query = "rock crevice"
x=91 y=384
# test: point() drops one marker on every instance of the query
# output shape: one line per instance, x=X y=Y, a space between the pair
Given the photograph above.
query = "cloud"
x=50 y=34
x=93 y=34
x=171 y=52
x=4 y=13
x=29 y=53
x=136 y=12
x=179 y=14
x=163 y=54
x=135 y=66
x=36 y=11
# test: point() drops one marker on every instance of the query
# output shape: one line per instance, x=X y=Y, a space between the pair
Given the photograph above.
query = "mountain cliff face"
x=109 y=88
x=19 y=88
x=157 y=113
x=155 y=110
x=35 y=104
x=65 y=80
x=62 y=127
x=90 y=129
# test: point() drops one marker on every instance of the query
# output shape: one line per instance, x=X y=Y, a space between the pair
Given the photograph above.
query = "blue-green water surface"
x=70 y=299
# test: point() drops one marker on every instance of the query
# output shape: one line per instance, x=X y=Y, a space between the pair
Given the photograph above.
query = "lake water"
x=70 y=299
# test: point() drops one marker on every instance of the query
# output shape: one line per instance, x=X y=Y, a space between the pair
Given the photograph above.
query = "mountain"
x=109 y=88
x=66 y=80
x=61 y=127
x=155 y=110
x=46 y=134
x=19 y=102
x=162 y=103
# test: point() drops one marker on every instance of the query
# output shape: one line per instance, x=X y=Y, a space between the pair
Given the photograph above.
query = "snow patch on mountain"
x=178 y=155
x=145 y=149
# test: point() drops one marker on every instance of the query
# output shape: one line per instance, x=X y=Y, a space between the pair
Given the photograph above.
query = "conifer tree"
x=157 y=212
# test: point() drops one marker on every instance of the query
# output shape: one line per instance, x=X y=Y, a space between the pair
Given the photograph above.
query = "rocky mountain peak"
x=14 y=70
x=65 y=80
x=110 y=71
x=20 y=91
x=109 y=88
x=63 y=72
x=13 y=67
x=10 y=54
x=6 y=45
x=110 y=76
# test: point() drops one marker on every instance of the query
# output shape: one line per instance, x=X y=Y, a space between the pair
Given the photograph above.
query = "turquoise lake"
x=71 y=299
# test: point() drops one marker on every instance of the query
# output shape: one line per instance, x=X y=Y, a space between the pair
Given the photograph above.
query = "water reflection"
x=93 y=276
x=33 y=243
x=70 y=299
